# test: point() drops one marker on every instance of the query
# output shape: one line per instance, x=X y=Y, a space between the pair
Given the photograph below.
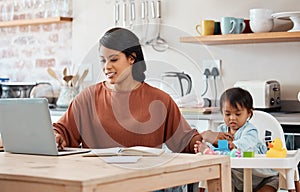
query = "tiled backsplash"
x=27 y=51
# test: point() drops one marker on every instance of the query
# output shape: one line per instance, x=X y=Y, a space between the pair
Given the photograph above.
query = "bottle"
x=65 y=8
x=7 y=10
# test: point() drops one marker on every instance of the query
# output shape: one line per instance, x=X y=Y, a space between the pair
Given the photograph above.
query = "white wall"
x=278 y=61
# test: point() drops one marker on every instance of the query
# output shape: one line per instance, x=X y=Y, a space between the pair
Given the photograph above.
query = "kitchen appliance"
x=18 y=89
x=178 y=80
x=265 y=94
x=2 y=79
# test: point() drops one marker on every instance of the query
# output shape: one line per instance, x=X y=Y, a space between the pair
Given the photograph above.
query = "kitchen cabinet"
x=56 y=114
x=244 y=38
x=37 y=21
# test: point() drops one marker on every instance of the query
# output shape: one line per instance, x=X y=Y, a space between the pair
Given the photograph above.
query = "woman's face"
x=234 y=117
x=115 y=65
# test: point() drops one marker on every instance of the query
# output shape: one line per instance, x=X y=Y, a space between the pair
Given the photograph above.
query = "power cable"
x=215 y=73
x=207 y=74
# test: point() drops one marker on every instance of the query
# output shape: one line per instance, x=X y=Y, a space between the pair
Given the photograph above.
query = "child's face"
x=235 y=118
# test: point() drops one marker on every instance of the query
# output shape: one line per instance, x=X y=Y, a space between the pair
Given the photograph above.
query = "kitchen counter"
x=283 y=118
x=215 y=118
x=287 y=118
x=56 y=114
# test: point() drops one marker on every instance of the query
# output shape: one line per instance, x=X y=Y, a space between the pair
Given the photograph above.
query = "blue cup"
x=228 y=25
x=240 y=25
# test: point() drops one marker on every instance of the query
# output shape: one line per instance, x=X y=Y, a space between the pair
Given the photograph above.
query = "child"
x=236 y=106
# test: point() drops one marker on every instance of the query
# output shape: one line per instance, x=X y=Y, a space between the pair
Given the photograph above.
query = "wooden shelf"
x=245 y=38
x=39 y=21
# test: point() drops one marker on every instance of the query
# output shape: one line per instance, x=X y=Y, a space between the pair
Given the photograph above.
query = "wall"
x=278 y=61
x=27 y=51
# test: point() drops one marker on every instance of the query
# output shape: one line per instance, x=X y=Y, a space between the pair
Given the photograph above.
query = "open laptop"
x=25 y=127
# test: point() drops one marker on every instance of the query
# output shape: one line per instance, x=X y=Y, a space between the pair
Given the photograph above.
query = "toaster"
x=265 y=94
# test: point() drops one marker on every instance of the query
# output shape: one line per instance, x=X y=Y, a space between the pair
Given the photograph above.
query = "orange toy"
x=275 y=149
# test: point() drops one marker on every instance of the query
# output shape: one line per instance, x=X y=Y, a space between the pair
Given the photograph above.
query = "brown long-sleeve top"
x=100 y=118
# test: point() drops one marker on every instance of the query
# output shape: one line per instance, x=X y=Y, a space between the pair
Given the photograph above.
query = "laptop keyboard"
x=65 y=150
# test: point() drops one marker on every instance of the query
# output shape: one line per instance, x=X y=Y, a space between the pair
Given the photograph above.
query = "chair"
x=269 y=129
x=266 y=123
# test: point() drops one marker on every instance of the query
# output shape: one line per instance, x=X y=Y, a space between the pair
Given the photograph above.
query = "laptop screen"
x=26 y=126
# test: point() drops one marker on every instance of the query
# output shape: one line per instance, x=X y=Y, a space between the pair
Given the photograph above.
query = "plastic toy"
x=235 y=153
x=222 y=146
x=222 y=149
x=275 y=149
x=248 y=154
x=208 y=151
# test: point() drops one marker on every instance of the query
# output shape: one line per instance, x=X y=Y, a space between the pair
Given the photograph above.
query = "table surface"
x=86 y=174
x=286 y=165
x=260 y=161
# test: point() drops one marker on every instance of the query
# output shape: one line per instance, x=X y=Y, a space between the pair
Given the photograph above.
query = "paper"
x=142 y=150
x=121 y=159
x=103 y=152
x=130 y=151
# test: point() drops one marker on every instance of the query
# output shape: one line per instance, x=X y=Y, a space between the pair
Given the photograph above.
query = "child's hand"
x=225 y=136
x=213 y=137
x=200 y=146
x=231 y=145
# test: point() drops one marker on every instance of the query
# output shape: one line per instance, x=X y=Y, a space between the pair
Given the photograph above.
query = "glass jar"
x=66 y=95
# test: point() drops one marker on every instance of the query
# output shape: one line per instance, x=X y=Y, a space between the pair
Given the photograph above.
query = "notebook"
x=26 y=127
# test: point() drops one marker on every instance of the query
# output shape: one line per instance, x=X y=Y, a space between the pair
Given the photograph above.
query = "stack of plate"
x=293 y=16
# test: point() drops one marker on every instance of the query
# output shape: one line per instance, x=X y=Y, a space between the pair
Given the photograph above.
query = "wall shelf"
x=244 y=38
x=38 y=21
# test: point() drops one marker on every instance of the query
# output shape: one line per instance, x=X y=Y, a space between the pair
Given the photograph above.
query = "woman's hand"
x=60 y=141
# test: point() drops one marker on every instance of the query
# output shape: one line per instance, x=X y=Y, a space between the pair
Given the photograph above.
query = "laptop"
x=26 y=127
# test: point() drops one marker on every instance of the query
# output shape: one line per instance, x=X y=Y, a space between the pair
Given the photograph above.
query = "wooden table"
x=74 y=173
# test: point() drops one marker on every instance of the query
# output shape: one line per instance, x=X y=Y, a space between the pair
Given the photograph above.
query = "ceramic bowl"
x=261 y=25
x=260 y=13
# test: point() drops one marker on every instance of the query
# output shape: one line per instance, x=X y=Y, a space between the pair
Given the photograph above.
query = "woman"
x=123 y=110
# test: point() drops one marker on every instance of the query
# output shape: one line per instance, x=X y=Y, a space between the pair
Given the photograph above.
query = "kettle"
x=180 y=76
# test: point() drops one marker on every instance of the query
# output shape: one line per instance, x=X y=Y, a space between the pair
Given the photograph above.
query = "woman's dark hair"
x=237 y=96
x=127 y=42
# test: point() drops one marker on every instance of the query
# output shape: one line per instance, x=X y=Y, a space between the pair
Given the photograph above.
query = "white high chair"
x=264 y=121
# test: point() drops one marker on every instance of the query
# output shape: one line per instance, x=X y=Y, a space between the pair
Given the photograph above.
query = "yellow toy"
x=275 y=149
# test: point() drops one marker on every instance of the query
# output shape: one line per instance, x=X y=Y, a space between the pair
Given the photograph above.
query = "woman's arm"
x=213 y=137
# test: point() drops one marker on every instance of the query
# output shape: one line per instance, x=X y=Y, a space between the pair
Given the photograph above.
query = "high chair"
x=269 y=129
